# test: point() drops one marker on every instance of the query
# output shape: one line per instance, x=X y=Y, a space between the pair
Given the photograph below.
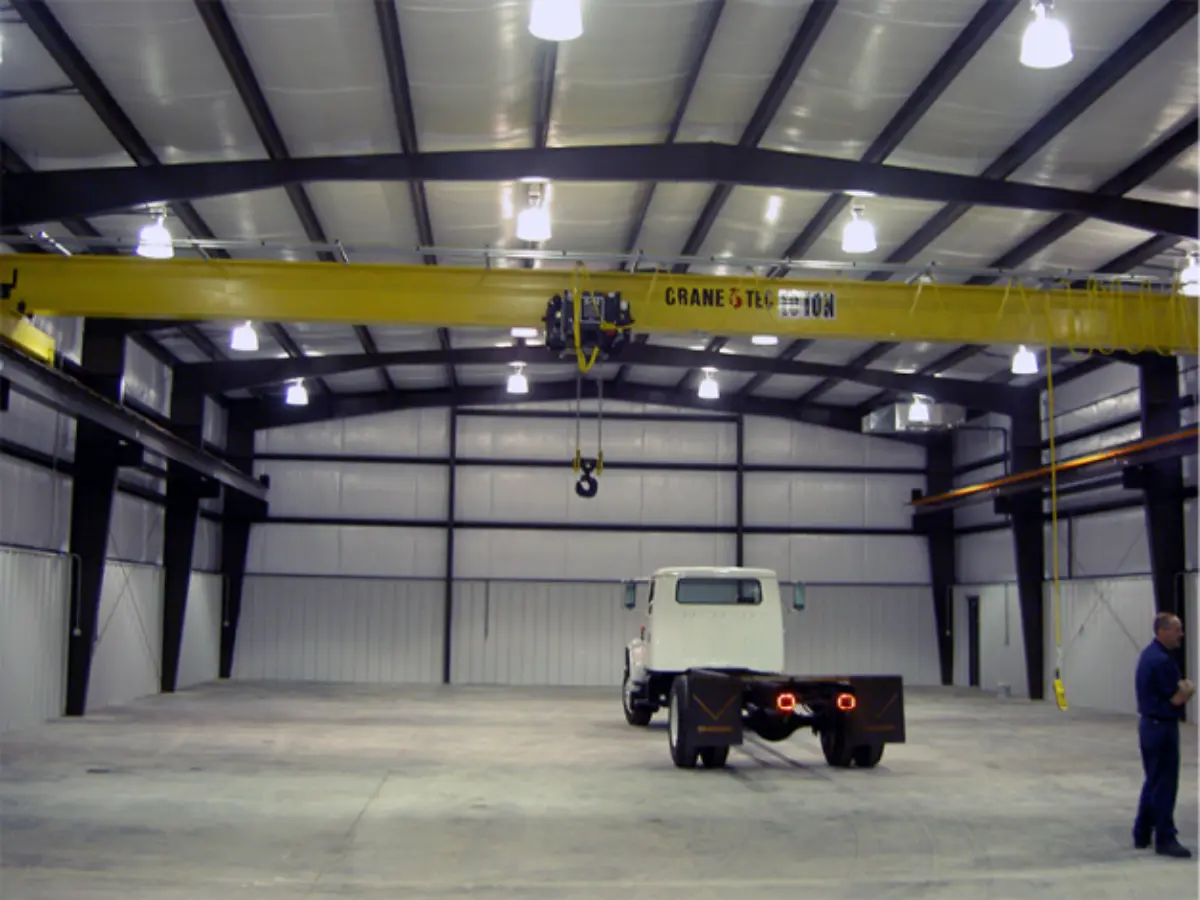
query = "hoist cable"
x=1060 y=693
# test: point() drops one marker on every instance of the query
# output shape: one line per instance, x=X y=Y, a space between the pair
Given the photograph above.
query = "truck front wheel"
x=637 y=716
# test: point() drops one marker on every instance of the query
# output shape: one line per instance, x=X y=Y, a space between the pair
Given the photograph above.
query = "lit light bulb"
x=859 y=234
x=517 y=382
x=1024 y=362
x=556 y=20
x=709 y=389
x=919 y=411
x=764 y=340
x=244 y=339
x=533 y=224
x=1046 y=43
x=297 y=394
x=154 y=241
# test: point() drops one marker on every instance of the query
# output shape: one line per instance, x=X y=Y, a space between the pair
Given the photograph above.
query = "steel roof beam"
x=955 y=357
x=791 y=351
x=1170 y=18
x=805 y=39
x=983 y=25
x=52 y=195
x=858 y=364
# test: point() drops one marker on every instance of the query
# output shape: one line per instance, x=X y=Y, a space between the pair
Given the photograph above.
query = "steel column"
x=184 y=490
x=1029 y=547
x=740 y=491
x=451 y=503
x=940 y=538
x=1162 y=484
x=241 y=511
x=98 y=454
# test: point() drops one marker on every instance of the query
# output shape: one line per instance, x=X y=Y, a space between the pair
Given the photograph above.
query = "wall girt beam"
x=1162 y=484
x=434 y=296
x=31 y=197
x=1029 y=548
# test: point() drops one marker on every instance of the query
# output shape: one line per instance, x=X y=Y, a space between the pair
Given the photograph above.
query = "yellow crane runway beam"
x=1124 y=318
x=19 y=332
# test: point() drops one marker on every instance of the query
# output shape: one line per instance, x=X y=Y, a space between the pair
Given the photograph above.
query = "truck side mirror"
x=798 y=596
x=630 y=601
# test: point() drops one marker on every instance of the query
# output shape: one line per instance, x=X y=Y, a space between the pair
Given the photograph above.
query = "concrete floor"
x=232 y=791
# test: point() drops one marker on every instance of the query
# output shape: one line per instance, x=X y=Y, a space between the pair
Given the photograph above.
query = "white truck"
x=711 y=650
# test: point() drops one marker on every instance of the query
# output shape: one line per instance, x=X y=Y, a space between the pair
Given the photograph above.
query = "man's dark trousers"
x=1159 y=739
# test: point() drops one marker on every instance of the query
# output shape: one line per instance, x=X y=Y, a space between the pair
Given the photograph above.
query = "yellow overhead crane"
x=1102 y=317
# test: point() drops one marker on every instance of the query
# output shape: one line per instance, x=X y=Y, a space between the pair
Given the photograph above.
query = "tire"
x=867 y=756
x=714 y=757
x=772 y=729
x=682 y=753
x=639 y=718
x=837 y=753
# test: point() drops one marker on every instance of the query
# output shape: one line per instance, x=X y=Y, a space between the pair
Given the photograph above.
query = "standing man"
x=1161 y=695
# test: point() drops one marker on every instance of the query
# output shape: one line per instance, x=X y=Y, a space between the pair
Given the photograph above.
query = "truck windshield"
x=719 y=591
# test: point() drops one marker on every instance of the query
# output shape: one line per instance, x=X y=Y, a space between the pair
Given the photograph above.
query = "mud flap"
x=878 y=718
x=714 y=710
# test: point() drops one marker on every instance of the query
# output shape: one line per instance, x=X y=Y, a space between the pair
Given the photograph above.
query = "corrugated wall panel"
x=135 y=532
x=844 y=559
x=347 y=550
x=774 y=441
x=1001 y=638
x=200 y=653
x=127 y=659
x=206 y=554
x=634 y=498
x=831 y=500
x=422 y=432
x=581 y=555
x=356 y=490
x=1111 y=543
x=986 y=557
x=146 y=379
x=340 y=630
x=864 y=630
x=35 y=506
x=216 y=422
x=532 y=633
x=34 y=605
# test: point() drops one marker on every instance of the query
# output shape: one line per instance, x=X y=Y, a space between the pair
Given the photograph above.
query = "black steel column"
x=1029 y=547
x=1162 y=485
x=98 y=456
x=451 y=501
x=184 y=490
x=740 y=492
x=940 y=537
x=240 y=512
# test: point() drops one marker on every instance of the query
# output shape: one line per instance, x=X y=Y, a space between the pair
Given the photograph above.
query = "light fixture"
x=556 y=20
x=918 y=412
x=517 y=382
x=774 y=205
x=244 y=339
x=859 y=234
x=1024 y=362
x=524 y=333
x=709 y=389
x=1046 y=43
x=1189 y=278
x=154 y=241
x=297 y=394
x=533 y=222
x=764 y=340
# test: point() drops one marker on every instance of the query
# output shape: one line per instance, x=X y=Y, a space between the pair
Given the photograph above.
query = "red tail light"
x=846 y=702
x=785 y=702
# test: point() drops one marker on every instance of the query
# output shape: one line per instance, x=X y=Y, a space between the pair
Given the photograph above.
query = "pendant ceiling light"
x=1024 y=362
x=154 y=241
x=859 y=234
x=709 y=389
x=556 y=20
x=1046 y=43
x=918 y=412
x=297 y=394
x=244 y=339
x=1189 y=278
x=517 y=382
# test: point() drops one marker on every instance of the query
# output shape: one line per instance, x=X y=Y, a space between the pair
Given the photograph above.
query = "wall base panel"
x=200 y=653
x=34 y=594
x=127 y=660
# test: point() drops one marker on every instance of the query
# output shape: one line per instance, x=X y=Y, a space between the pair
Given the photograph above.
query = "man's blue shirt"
x=1157 y=681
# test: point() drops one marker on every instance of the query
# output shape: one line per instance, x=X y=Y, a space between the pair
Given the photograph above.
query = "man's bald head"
x=1168 y=629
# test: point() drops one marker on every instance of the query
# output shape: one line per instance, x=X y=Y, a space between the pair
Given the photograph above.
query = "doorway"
x=973 y=640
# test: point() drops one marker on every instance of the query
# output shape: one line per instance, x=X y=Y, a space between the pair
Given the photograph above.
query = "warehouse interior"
x=301 y=594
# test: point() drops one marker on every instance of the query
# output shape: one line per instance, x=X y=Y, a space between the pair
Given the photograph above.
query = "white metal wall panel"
x=347 y=550
x=34 y=605
x=1001 y=638
x=624 y=440
x=206 y=554
x=841 y=559
x=1108 y=393
x=812 y=500
x=1193 y=645
x=356 y=490
x=1111 y=543
x=35 y=505
x=987 y=436
x=340 y=630
x=600 y=556
x=499 y=493
x=1189 y=529
x=1105 y=624
x=540 y=633
x=855 y=629
x=986 y=557
x=216 y=422
x=410 y=433
x=774 y=441
x=200 y=652
x=982 y=513
x=146 y=379
x=127 y=658
x=135 y=531
x=30 y=424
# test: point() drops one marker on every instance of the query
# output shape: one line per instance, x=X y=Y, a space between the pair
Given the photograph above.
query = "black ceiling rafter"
x=342 y=406
x=791 y=351
x=545 y=68
x=989 y=17
x=221 y=377
x=948 y=361
x=712 y=348
x=1145 y=167
x=220 y=28
x=52 y=195
x=707 y=33
x=405 y=117
x=1161 y=27
x=807 y=34
x=858 y=363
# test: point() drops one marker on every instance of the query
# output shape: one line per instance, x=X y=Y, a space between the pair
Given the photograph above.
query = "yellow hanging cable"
x=1060 y=691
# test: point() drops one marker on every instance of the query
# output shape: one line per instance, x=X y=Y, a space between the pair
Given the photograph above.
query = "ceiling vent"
x=901 y=418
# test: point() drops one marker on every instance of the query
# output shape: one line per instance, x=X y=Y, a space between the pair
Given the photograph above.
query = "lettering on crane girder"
x=789 y=303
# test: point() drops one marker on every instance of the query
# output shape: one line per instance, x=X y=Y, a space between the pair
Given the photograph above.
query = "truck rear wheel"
x=682 y=753
x=714 y=757
x=834 y=746
x=867 y=756
x=633 y=715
